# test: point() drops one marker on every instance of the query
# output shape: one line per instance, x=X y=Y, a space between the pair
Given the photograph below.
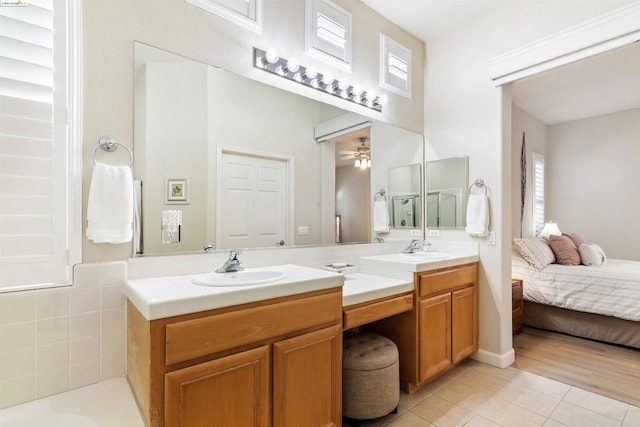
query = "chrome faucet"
x=415 y=245
x=232 y=264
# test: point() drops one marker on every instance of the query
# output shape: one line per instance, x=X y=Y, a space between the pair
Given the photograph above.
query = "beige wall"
x=466 y=115
x=536 y=142
x=111 y=27
x=593 y=176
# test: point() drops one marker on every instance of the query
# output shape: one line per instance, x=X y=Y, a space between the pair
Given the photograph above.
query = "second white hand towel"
x=110 y=205
x=477 y=215
x=380 y=217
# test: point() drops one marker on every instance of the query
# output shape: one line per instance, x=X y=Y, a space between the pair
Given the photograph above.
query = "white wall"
x=466 y=115
x=594 y=176
x=536 y=142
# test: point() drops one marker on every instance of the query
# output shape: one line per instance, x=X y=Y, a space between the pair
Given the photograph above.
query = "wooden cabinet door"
x=434 y=328
x=464 y=321
x=307 y=372
x=232 y=390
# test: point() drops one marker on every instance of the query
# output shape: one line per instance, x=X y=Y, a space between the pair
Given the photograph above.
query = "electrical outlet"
x=491 y=238
x=434 y=233
x=415 y=233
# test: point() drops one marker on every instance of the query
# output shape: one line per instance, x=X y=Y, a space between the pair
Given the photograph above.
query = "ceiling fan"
x=362 y=155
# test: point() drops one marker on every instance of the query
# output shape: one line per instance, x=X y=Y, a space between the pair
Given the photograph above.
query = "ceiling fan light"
x=357 y=163
x=368 y=163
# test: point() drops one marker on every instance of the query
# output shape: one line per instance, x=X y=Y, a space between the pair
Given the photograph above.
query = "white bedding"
x=612 y=289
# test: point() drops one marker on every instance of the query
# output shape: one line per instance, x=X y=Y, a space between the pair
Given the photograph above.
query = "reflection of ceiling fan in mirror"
x=361 y=155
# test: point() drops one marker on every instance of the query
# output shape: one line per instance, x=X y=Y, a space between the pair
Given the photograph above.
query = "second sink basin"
x=417 y=256
x=239 y=278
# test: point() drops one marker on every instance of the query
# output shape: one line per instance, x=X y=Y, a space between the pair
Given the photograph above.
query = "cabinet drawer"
x=198 y=337
x=436 y=282
x=376 y=310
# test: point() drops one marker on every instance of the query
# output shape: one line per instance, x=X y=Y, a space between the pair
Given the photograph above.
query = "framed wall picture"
x=177 y=192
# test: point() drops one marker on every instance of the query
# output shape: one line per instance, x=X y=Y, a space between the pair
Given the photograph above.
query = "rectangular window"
x=395 y=67
x=538 y=193
x=328 y=32
x=242 y=12
x=34 y=146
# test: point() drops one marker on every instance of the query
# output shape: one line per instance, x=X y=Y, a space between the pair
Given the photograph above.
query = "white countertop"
x=399 y=267
x=359 y=288
x=162 y=297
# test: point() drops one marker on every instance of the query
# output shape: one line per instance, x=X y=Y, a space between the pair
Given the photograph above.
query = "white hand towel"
x=380 y=217
x=110 y=205
x=477 y=215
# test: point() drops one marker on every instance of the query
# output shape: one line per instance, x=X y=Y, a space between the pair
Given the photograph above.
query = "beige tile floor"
x=472 y=394
x=475 y=394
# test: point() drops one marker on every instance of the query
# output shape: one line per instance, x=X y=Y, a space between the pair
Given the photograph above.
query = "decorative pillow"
x=564 y=249
x=535 y=251
x=592 y=254
x=577 y=240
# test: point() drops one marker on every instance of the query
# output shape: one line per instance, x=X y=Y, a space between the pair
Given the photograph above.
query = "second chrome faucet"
x=232 y=264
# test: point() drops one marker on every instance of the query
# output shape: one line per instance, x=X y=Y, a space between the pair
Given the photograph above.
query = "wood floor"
x=609 y=370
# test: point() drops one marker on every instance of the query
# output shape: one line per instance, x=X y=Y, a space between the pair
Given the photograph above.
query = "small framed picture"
x=177 y=191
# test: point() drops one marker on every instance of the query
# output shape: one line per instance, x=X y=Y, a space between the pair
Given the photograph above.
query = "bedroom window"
x=39 y=174
x=538 y=193
x=328 y=32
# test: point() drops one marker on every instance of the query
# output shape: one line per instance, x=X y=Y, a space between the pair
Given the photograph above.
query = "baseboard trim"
x=494 y=359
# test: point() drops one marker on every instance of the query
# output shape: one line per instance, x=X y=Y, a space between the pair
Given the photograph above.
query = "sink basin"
x=240 y=278
x=423 y=256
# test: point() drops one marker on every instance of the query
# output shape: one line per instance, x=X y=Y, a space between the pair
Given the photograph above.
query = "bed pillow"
x=577 y=240
x=535 y=251
x=592 y=254
x=564 y=249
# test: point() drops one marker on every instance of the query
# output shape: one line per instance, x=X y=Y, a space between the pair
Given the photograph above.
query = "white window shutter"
x=395 y=67
x=33 y=146
x=328 y=32
x=538 y=193
x=246 y=13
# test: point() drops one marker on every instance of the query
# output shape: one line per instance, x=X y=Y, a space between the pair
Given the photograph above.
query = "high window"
x=395 y=67
x=243 y=12
x=39 y=176
x=328 y=32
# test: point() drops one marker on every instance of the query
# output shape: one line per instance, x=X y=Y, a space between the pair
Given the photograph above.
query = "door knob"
x=280 y=243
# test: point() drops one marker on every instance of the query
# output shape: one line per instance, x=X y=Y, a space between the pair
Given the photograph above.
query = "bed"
x=598 y=302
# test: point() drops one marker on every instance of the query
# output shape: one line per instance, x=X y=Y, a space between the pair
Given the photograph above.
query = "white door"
x=253 y=208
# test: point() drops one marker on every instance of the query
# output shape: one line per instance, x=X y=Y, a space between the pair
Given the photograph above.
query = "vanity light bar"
x=291 y=69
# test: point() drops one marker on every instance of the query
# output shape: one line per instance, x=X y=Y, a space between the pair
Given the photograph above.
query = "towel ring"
x=480 y=184
x=109 y=144
x=380 y=195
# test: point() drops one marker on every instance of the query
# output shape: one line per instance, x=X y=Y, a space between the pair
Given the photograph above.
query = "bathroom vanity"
x=273 y=361
x=271 y=354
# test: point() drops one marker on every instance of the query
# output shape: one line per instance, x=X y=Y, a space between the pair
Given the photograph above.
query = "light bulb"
x=371 y=95
x=363 y=164
x=344 y=94
x=314 y=83
x=357 y=163
x=369 y=163
x=297 y=77
x=356 y=90
x=272 y=56
x=327 y=78
x=293 y=65
x=383 y=100
x=343 y=84
x=261 y=62
x=280 y=70
x=310 y=72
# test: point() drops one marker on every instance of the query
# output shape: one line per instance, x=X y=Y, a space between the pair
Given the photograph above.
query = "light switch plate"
x=434 y=233
x=491 y=238
x=415 y=233
x=303 y=230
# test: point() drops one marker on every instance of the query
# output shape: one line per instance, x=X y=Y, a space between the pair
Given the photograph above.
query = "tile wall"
x=53 y=340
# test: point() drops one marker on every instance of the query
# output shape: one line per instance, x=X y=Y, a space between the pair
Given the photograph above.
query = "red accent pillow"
x=565 y=250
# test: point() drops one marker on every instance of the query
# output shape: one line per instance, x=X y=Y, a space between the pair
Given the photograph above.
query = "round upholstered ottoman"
x=370 y=376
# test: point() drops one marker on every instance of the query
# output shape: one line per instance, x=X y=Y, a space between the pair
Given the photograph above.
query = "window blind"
x=242 y=12
x=33 y=163
x=538 y=193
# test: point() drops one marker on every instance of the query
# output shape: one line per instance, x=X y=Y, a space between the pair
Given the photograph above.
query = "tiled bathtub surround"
x=53 y=340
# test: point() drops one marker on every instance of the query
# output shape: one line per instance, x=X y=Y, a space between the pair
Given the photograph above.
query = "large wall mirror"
x=447 y=189
x=231 y=162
